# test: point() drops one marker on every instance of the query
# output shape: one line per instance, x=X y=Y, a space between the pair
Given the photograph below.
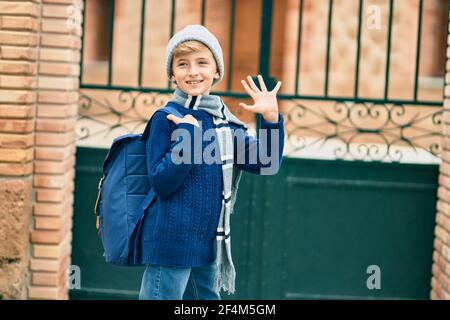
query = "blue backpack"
x=124 y=194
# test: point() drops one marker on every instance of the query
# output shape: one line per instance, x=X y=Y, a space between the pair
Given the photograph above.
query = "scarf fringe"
x=225 y=278
x=225 y=272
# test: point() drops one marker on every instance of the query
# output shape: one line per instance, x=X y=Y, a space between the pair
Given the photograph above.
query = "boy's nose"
x=193 y=70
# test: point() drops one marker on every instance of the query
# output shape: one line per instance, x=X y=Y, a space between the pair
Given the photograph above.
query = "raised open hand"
x=265 y=102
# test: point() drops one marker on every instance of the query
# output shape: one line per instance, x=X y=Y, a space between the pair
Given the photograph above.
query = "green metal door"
x=310 y=232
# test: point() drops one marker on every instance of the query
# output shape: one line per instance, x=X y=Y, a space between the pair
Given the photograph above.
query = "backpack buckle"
x=100 y=184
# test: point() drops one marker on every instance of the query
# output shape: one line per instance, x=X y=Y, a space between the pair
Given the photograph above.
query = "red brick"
x=46 y=251
x=442 y=234
x=436 y=288
x=57 y=111
x=442 y=278
x=61 y=41
x=54 y=167
x=58 y=251
x=19 y=8
x=58 y=97
x=50 y=237
x=444 y=168
x=22 y=141
x=18 y=67
x=63 y=26
x=443 y=194
x=51 y=265
x=15 y=38
x=16 y=155
x=433 y=295
x=53 y=195
x=55 y=11
x=16 y=125
x=55 y=125
x=446 y=105
x=59 y=55
x=54 y=153
x=53 y=209
x=18 y=23
x=51 y=181
x=18 y=53
x=59 y=83
x=44 y=293
x=17 y=111
x=45 y=279
x=16 y=169
x=447 y=90
x=59 y=69
x=443 y=221
x=48 y=223
x=18 y=82
x=17 y=96
x=55 y=139
x=444 y=181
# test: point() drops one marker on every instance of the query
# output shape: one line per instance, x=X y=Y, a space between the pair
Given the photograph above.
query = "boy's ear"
x=217 y=75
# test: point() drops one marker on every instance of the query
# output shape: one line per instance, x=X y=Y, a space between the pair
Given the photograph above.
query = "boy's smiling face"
x=195 y=72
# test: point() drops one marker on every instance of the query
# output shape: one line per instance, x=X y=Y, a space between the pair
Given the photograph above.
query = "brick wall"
x=39 y=68
x=19 y=24
x=440 y=281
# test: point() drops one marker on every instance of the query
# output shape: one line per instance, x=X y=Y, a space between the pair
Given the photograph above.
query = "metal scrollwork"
x=344 y=130
x=364 y=131
x=100 y=115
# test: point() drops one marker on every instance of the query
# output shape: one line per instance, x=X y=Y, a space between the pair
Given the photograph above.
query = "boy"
x=194 y=200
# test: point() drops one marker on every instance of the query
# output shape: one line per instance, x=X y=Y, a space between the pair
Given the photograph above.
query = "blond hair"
x=188 y=47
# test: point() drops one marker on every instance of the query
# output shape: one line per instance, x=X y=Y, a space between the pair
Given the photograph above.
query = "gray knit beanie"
x=199 y=33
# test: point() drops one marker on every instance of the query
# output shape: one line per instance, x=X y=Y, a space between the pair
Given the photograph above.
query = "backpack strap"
x=99 y=188
x=169 y=109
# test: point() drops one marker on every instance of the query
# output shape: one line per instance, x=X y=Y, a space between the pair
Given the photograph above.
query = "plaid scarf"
x=226 y=273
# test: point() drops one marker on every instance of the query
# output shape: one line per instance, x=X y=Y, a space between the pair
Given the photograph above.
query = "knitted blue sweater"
x=180 y=226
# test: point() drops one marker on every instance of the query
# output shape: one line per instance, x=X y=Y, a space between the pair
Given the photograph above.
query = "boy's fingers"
x=261 y=83
x=252 y=84
x=247 y=88
x=277 y=87
x=173 y=118
x=246 y=106
x=186 y=119
x=189 y=117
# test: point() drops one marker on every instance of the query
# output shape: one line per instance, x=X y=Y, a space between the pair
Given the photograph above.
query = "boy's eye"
x=184 y=63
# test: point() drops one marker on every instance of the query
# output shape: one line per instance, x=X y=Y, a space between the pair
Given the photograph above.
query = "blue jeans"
x=175 y=283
